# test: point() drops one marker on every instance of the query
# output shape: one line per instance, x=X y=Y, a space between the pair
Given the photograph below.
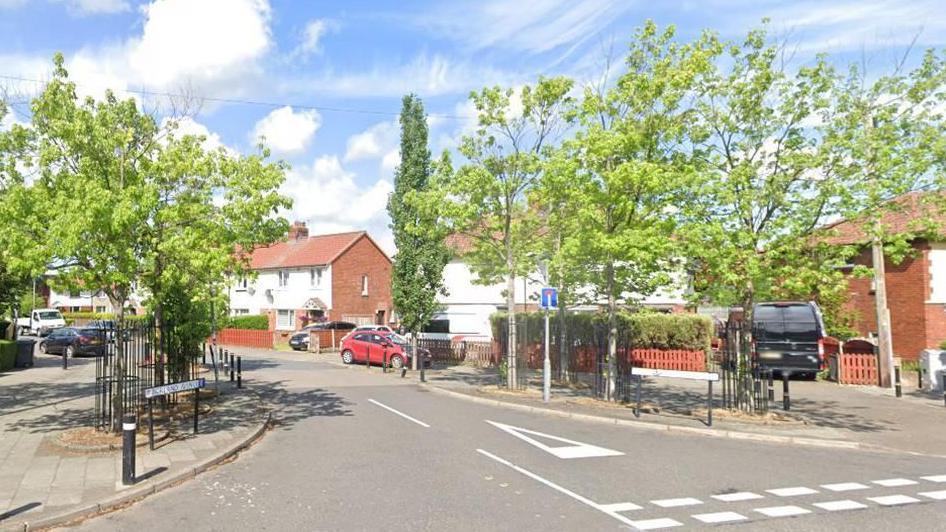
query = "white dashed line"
x=893 y=500
x=620 y=507
x=402 y=414
x=834 y=506
x=935 y=478
x=782 y=511
x=792 y=492
x=720 y=517
x=935 y=495
x=845 y=486
x=653 y=524
x=736 y=497
x=673 y=503
x=895 y=482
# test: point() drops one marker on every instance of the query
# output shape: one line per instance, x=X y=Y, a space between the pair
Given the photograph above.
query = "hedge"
x=643 y=329
x=256 y=322
x=71 y=317
x=7 y=354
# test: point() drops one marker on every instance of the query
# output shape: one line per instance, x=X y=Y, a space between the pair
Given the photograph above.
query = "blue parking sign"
x=549 y=298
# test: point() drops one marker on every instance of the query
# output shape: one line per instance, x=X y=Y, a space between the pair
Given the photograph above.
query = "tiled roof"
x=901 y=217
x=319 y=250
x=459 y=243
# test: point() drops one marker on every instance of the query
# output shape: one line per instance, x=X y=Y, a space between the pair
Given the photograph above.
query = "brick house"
x=916 y=287
x=303 y=279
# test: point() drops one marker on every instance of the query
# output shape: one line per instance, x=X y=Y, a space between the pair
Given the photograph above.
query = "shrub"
x=258 y=322
x=7 y=354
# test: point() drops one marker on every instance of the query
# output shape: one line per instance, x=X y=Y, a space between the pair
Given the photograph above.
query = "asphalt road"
x=354 y=450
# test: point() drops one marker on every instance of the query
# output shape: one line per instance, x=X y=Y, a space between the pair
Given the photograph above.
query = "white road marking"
x=653 y=524
x=619 y=507
x=845 y=486
x=893 y=500
x=935 y=478
x=834 y=506
x=894 y=482
x=575 y=449
x=402 y=414
x=673 y=503
x=720 y=517
x=736 y=497
x=935 y=495
x=792 y=492
x=782 y=511
x=560 y=489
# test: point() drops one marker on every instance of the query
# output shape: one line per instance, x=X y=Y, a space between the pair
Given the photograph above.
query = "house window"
x=74 y=293
x=241 y=284
x=100 y=309
x=283 y=278
x=286 y=319
x=364 y=285
x=315 y=277
x=239 y=311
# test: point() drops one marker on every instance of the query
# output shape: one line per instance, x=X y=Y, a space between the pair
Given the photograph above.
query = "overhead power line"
x=260 y=103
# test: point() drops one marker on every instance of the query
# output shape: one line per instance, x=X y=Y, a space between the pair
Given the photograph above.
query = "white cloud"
x=287 y=131
x=312 y=36
x=188 y=126
x=389 y=163
x=372 y=143
x=95 y=7
x=324 y=194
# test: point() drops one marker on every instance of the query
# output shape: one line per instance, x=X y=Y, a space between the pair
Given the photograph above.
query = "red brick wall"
x=907 y=291
x=362 y=258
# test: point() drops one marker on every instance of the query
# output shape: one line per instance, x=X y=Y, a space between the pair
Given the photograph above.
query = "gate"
x=743 y=382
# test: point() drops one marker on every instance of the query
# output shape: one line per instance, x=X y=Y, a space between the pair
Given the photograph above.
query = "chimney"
x=298 y=231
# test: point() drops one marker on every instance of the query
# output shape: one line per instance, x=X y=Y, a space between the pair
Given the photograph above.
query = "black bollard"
x=203 y=354
x=786 y=400
x=919 y=378
x=232 y=373
x=771 y=380
x=239 y=372
x=384 y=365
x=896 y=380
x=128 y=449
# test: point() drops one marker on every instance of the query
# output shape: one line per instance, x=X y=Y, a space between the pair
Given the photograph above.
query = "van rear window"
x=799 y=313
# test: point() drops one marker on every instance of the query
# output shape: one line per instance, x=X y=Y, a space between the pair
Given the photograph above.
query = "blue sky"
x=334 y=72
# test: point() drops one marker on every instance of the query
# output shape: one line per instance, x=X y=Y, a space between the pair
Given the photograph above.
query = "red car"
x=374 y=346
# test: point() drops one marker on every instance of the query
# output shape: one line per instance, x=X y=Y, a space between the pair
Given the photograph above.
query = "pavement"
x=355 y=449
x=41 y=481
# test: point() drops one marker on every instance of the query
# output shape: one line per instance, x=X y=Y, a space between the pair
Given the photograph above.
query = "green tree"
x=626 y=171
x=884 y=138
x=762 y=195
x=505 y=156
x=417 y=276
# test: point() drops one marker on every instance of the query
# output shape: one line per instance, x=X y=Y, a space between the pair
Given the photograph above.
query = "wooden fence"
x=678 y=359
x=858 y=368
x=245 y=338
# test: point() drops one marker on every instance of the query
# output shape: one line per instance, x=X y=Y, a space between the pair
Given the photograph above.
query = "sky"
x=322 y=81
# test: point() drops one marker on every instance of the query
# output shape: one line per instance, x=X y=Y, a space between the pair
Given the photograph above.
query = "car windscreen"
x=50 y=315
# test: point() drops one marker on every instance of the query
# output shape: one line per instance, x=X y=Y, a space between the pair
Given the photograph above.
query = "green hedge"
x=642 y=329
x=71 y=317
x=256 y=322
x=7 y=354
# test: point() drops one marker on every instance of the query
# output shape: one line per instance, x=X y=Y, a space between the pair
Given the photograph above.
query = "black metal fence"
x=137 y=356
x=745 y=385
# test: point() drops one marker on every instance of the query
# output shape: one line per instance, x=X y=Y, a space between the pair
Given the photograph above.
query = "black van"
x=789 y=336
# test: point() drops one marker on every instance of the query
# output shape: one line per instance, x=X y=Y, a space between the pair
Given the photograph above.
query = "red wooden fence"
x=583 y=359
x=858 y=368
x=246 y=338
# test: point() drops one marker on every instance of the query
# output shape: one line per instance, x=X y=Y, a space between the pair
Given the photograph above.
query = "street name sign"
x=174 y=387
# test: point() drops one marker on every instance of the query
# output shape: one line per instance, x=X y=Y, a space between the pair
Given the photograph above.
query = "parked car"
x=108 y=328
x=373 y=346
x=72 y=341
x=300 y=341
x=789 y=336
x=383 y=328
x=41 y=321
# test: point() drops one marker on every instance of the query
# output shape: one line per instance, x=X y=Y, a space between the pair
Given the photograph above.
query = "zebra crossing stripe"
x=720 y=517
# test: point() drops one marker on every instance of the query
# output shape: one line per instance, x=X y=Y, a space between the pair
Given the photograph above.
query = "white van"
x=41 y=321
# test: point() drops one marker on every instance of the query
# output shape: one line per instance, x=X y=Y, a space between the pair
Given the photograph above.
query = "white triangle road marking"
x=574 y=449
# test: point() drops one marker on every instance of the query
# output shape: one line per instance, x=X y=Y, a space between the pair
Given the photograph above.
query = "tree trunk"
x=118 y=397
x=612 y=336
x=414 y=355
x=511 y=370
x=563 y=346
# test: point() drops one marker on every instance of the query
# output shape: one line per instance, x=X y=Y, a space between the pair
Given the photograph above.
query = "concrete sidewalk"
x=867 y=417
x=42 y=482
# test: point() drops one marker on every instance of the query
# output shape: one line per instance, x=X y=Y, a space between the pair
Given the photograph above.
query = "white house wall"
x=265 y=293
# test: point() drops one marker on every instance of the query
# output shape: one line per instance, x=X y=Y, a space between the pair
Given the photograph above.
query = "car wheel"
x=347 y=356
x=397 y=362
x=70 y=352
x=42 y=348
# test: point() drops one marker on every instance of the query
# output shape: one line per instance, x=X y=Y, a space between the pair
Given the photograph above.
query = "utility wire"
x=262 y=103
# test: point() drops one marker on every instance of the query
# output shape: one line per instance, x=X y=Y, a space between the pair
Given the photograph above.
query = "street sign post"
x=549 y=301
x=167 y=389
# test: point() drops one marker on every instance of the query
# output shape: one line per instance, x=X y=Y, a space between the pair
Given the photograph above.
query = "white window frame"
x=315 y=277
x=241 y=284
x=239 y=311
x=100 y=309
x=285 y=319
x=283 y=278
x=364 y=285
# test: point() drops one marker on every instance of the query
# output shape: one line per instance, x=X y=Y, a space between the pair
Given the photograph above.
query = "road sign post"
x=549 y=301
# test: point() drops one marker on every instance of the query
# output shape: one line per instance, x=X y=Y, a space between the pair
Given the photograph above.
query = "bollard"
x=128 y=449
x=203 y=354
x=919 y=378
x=384 y=366
x=771 y=386
x=239 y=372
x=232 y=356
x=896 y=379
x=786 y=400
x=65 y=360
